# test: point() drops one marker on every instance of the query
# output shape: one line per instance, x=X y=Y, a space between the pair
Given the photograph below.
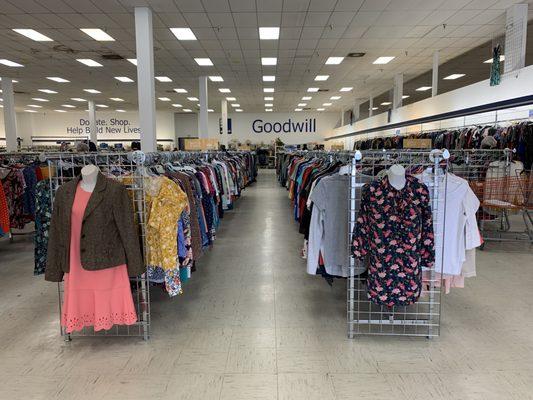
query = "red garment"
x=39 y=174
x=4 y=212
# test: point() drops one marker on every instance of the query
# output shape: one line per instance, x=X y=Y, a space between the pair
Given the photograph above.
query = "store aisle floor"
x=253 y=325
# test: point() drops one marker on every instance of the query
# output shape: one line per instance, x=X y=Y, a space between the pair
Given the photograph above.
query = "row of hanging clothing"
x=398 y=237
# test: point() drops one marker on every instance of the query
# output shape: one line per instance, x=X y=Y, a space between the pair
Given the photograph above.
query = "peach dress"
x=93 y=298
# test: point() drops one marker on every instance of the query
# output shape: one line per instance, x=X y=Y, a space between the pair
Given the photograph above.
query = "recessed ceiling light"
x=231 y=99
x=313 y=89
x=269 y=105
x=346 y=89
x=454 y=76
x=116 y=99
x=423 y=88
x=177 y=105
x=120 y=110
x=34 y=106
x=60 y=110
x=98 y=34
x=334 y=60
x=163 y=79
x=490 y=60
x=321 y=77
x=9 y=63
x=89 y=62
x=124 y=79
x=33 y=35
x=268 y=98
x=57 y=79
x=335 y=97
x=297 y=109
x=216 y=78
x=268 y=109
x=204 y=62
x=210 y=110
x=374 y=108
x=269 y=78
x=269 y=60
x=183 y=33
x=302 y=104
x=68 y=106
x=39 y=99
x=269 y=33
x=164 y=98
x=192 y=98
x=268 y=90
x=386 y=103
x=179 y=90
x=235 y=105
x=132 y=60
x=238 y=110
x=47 y=91
x=102 y=106
x=224 y=90
x=12 y=80
x=187 y=110
x=77 y=99
x=383 y=60
x=405 y=96
x=326 y=104
x=306 y=98
x=94 y=91
x=30 y=111
x=320 y=109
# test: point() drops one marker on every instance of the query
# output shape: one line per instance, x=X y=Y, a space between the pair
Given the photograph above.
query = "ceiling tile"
x=189 y=5
x=242 y=5
x=317 y=18
x=216 y=5
x=197 y=20
x=245 y=19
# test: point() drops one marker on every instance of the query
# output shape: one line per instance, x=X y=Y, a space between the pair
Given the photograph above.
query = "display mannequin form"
x=89 y=175
x=396 y=175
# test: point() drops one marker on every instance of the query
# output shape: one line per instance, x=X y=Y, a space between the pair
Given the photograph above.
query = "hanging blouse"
x=14 y=190
x=394 y=229
x=4 y=212
x=43 y=215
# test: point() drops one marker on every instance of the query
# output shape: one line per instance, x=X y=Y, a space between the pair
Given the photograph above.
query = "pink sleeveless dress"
x=93 y=298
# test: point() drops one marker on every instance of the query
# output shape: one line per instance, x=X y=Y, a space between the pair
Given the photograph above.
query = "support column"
x=224 y=121
x=342 y=116
x=203 y=128
x=10 y=116
x=356 y=111
x=397 y=93
x=435 y=75
x=371 y=106
x=93 y=135
x=515 y=37
x=145 y=78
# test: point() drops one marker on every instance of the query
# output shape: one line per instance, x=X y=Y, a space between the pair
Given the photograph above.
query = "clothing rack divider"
x=423 y=317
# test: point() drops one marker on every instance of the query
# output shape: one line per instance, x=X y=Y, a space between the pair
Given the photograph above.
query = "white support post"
x=10 y=116
x=397 y=93
x=356 y=111
x=435 y=74
x=371 y=106
x=93 y=135
x=203 y=127
x=145 y=78
x=224 y=122
x=342 y=116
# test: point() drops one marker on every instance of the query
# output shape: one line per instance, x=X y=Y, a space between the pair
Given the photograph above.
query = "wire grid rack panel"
x=64 y=167
x=422 y=318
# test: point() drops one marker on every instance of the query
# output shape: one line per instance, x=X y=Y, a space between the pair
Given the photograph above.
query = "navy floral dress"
x=394 y=229
x=43 y=215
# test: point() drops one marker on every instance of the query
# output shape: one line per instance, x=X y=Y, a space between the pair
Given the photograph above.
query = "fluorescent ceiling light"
x=30 y=111
x=132 y=60
x=386 y=103
x=33 y=35
x=216 y=79
x=180 y=90
x=268 y=90
x=269 y=60
x=383 y=60
x=374 y=108
x=423 y=88
x=454 y=76
x=302 y=104
x=164 y=98
x=94 y=91
x=34 y=106
x=405 y=96
x=120 y=110
x=235 y=105
x=313 y=89
x=321 y=77
x=204 y=62
x=269 y=105
x=297 y=109
x=231 y=99
x=89 y=62
x=116 y=99
x=163 y=79
x=346 y=89
x=334 y=60
x=124 y=79
x=183 y=33
x=306 y=98
x=224 y=90
x=335 y=97
x=268 y=109
x=326 y=104
x=489 y=61
x=192 y=98
x=320 y=109
x=77 y=99
x=12 y=80
x=210 y=110
x=102 y=106
x=268 y=98
x=98 y=34
x=177 y=105
x=238 y=110
x=39 y=99
x=60 y=110
x=47 y=91
x=187 y=110
x=9 y=63
x=57 y=79
x=68 y=106
x=269 y=78
x=269 y=33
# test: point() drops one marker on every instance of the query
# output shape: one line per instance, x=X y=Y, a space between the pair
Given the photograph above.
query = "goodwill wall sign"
x=289 y=126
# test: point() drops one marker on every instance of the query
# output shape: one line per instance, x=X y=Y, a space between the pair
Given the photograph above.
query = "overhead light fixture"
x=102 y=106
x=405 y=96
x=47 y=91
x=313 y=89
x=183 y=33
x=224 y=90
x=235 y=105
x=268 y=33
x=231 y=99
x=60 y=111
x=116 y=99
x=454 y=76
x=177 y=105
x=57 y=79
x=386 y=103
x=34 y=106
x=269 y=78
x=383 y=60
x=9 y=63
x=238 y=110
x=187 y=110
x=268 y=90
x=335 y=97
x=346 y=89
x=164 y=98
x=30 y=111
x=297 y=109
x=204 y=62
x=210 y=110
x=133 y=61
x=68 y=106
x=98 y=34
x=320 y=109
x=334 y=60
x=423 y=88
x=192 y=98
x=490 y=60
x=269 y=60
x=124 y=79
x=268 y=109
x=306 y=98
x=120 y=110
x=12 y=80
x=77 y=99
x=268 y=98
x=216 y=78
x=89 y=62
x=39 y=99
x=163 y=79
x=93 y=91
x=33 y=35
x=374 y=108
x=269 y=105
x=327 y=104
x=179 y=90
x=321 y=77
x=302 y=104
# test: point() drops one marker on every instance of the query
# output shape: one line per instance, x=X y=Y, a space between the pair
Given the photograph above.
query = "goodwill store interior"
x=266 y=199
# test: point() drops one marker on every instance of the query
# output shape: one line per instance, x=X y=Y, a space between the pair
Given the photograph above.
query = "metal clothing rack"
x=423 y=317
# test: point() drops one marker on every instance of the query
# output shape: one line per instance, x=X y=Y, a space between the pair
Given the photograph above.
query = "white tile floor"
x=253 y=325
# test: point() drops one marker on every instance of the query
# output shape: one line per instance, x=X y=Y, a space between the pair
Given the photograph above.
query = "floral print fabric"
x=43 y=215
x=394 y=229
